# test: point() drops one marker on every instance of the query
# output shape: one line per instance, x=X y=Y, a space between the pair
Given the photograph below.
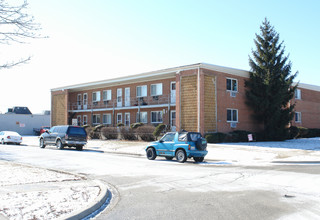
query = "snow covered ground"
x=252 y=153
x=34 y=193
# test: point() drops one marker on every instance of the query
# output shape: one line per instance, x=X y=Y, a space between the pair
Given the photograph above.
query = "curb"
x=2 y=217
x=93 y=206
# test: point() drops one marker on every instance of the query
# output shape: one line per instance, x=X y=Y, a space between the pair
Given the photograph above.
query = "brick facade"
x=208 y=98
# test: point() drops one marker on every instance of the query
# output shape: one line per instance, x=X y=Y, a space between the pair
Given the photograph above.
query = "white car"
x=10 y=137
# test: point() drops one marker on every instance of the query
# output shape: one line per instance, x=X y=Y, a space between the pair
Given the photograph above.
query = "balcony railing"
x=123 y=103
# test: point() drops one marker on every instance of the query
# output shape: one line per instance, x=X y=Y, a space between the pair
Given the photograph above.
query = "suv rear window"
x=194 y=136
x=77 y=131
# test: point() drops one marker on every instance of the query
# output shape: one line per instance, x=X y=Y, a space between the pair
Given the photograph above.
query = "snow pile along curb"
x=93 y=206
x=35 y=193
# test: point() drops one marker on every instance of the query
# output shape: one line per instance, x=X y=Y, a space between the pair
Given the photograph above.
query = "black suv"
x=66 y=135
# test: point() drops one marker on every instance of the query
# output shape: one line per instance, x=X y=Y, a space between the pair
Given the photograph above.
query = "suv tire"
x=59 y=144
x=79 y=148
x=151 y=153
x=41 y=143
x=181 y=156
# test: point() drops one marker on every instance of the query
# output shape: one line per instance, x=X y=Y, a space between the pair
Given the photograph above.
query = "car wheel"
x=198 y=159
x=79 y=148
x=41 y=143
x=2 y=142
x=169 y=158
x=151 y=153
x=59 y=145
x=181 y=156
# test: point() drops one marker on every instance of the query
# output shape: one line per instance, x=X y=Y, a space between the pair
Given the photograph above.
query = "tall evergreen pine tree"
x=270 y=87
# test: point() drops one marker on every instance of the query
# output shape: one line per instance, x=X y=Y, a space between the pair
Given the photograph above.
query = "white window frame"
x=107 y=95
x=143 y=89
x=119 y=121
x=96 y=121
x=146 y=117
x=119 y=97
x=125 y=119
x=85 y=120
x=297 y=119
x=297 y=94
x=98 y=96
x=237 y=85
x=108 y=120
x=232 y=120
x=157 y=118
x=85 y=99
x=79 y=120
x=79 y=99
x=158 y=89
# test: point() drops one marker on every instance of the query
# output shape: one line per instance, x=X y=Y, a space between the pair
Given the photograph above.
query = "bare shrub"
x=146 y=132
x=110 y=132
x=128 y=133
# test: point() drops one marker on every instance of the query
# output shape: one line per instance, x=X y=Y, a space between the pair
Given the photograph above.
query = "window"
x=232 y=85
x=119 y=97
x=156 y=89
x=232 y=115
x=156 y=117
x=96 y=119
x=168 y=137
x=85 y=120
x=85 y=99
x=297 y=117
x=79 y=99
x=297 y=94
x=96 y=97
x=127 y=119
x=142 y=117
x=106 y=119
x=106 y=95
x=79 y=120
x=142 y=91
x=119 y=118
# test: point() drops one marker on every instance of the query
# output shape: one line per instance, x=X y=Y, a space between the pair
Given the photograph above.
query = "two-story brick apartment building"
x=199 y=97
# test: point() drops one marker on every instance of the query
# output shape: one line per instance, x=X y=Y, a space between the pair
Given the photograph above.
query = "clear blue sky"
x=101 y=39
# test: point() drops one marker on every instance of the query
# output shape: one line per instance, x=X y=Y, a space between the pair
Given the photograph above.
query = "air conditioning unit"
x=233 y=94
x=233 y=125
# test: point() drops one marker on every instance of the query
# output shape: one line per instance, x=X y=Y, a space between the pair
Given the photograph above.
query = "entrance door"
x=173 y=120
x=79 y=101
x=127 y=119
x=127 y=97
x=173 y=92
x=85 y=101
x=119 y=97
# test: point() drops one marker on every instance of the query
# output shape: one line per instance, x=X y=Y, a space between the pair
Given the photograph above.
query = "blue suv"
x=181 y=145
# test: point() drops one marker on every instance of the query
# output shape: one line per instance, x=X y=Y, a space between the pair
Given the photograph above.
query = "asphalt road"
x=163 y=189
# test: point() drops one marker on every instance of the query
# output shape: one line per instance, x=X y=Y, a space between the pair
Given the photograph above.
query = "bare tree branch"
x=16 y=26
x=12 y=64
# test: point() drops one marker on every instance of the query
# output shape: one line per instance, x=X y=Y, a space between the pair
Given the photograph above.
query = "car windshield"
x=168 y=137
x=76 y=131
x=194 y=136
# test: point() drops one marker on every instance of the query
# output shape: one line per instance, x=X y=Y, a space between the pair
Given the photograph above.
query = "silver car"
x=12 y=137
